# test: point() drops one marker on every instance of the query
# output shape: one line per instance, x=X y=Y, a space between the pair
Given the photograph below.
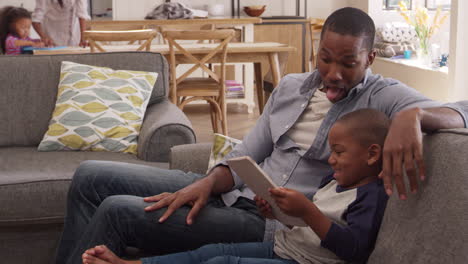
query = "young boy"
x=343 y=218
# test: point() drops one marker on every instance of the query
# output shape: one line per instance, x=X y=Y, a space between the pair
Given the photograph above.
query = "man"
x=289 y=142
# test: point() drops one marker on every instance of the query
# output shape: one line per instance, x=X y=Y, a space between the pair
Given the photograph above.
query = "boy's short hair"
x=351 y=21
x=367 y=126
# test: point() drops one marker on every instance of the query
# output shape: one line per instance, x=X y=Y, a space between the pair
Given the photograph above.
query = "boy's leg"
x=219 y=253
x=96 y=180
x=240 y=260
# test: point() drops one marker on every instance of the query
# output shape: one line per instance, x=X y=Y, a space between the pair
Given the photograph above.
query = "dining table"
x=269 y=60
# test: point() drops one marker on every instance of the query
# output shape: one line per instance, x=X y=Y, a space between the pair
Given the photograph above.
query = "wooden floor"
x=239 y=120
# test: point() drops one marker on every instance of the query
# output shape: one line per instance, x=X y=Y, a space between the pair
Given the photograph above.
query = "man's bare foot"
x=102 y=255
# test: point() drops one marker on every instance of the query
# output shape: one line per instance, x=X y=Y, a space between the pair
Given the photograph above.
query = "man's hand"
x=196 y=194
x=291 y=202
x=264 y=207
x=403 y=147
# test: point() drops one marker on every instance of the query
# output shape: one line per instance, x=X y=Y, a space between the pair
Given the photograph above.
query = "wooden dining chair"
x=95 y=36
x=184 y=27
x=117 y=27
x=315 y=29
x=185 y=89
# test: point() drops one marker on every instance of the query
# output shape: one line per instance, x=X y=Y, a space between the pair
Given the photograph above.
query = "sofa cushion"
x=29 y=88
x=98 y=109
x=222 y=145
x=431 y=226
x=33 y=185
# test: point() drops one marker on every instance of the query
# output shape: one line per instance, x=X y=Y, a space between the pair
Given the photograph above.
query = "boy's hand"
x=291 y=202
x=264 y=207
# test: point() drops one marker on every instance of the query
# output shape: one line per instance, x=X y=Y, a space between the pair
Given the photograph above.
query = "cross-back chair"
x=95 y=36
x=315 y=28
x=117 y=27
x=185 y=89
x=184 y=27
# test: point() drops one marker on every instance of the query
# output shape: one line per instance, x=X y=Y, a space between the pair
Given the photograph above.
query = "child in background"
x=15 y=24
x=343 y=218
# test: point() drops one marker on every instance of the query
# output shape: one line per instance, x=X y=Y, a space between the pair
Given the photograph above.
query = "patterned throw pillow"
x=98 y=109
x=396 y=32
x=222 y=145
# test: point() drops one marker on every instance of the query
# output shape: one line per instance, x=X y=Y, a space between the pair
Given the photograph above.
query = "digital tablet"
x=257 y=180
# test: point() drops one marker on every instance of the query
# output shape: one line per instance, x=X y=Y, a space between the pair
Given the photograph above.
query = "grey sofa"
x=430 y=227
x=33 y=185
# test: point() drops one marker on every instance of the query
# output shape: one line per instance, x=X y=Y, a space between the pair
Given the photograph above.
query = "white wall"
x=319 y=9
x=100 y=6
x=322 y=9
x=458 y=60
x=28 y=4
x=126 y=9
x=433 y=84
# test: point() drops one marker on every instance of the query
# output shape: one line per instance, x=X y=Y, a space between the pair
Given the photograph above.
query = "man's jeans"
x=245 y=253
x=105 y=206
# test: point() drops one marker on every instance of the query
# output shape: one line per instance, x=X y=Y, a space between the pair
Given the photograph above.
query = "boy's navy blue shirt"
x=356 y=215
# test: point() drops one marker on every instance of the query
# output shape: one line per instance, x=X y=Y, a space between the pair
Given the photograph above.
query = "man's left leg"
x=121 y=221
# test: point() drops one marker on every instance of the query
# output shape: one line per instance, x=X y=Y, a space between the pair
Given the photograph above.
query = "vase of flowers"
x=422 y=53
x=419 y=19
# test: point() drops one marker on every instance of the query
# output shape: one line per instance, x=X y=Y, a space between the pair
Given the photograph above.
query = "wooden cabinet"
x=288 y=31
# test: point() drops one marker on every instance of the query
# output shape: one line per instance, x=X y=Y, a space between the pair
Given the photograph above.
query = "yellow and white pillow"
x=222 y=145
x=98 y=109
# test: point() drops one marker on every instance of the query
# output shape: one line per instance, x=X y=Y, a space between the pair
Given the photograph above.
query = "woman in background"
x=61 y=22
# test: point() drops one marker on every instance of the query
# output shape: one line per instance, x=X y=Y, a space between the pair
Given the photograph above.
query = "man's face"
x=348 y=158
x=342 y=63
x=22 y=27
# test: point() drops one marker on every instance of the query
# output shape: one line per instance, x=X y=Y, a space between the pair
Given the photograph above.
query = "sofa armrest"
x=430 y=227
x=190 y=157
x=164 y=126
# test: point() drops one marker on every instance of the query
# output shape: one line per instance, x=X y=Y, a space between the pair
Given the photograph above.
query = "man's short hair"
x=367 y=126
x=351 y=21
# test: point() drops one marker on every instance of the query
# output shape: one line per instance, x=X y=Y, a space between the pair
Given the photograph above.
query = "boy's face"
x=22 y=27
x=348 y=158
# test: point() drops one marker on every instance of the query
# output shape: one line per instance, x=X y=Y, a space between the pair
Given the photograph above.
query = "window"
x=433 y=4
x=393 y=4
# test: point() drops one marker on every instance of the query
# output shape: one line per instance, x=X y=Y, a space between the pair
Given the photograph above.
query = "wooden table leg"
x=259 y=86
x=275 y=67
x=275 y=70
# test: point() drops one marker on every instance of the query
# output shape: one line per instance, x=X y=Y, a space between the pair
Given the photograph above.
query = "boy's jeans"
x=239 y=253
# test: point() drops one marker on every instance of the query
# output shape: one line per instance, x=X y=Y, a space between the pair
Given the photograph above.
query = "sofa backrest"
x=431 y=226
x=28 y=88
